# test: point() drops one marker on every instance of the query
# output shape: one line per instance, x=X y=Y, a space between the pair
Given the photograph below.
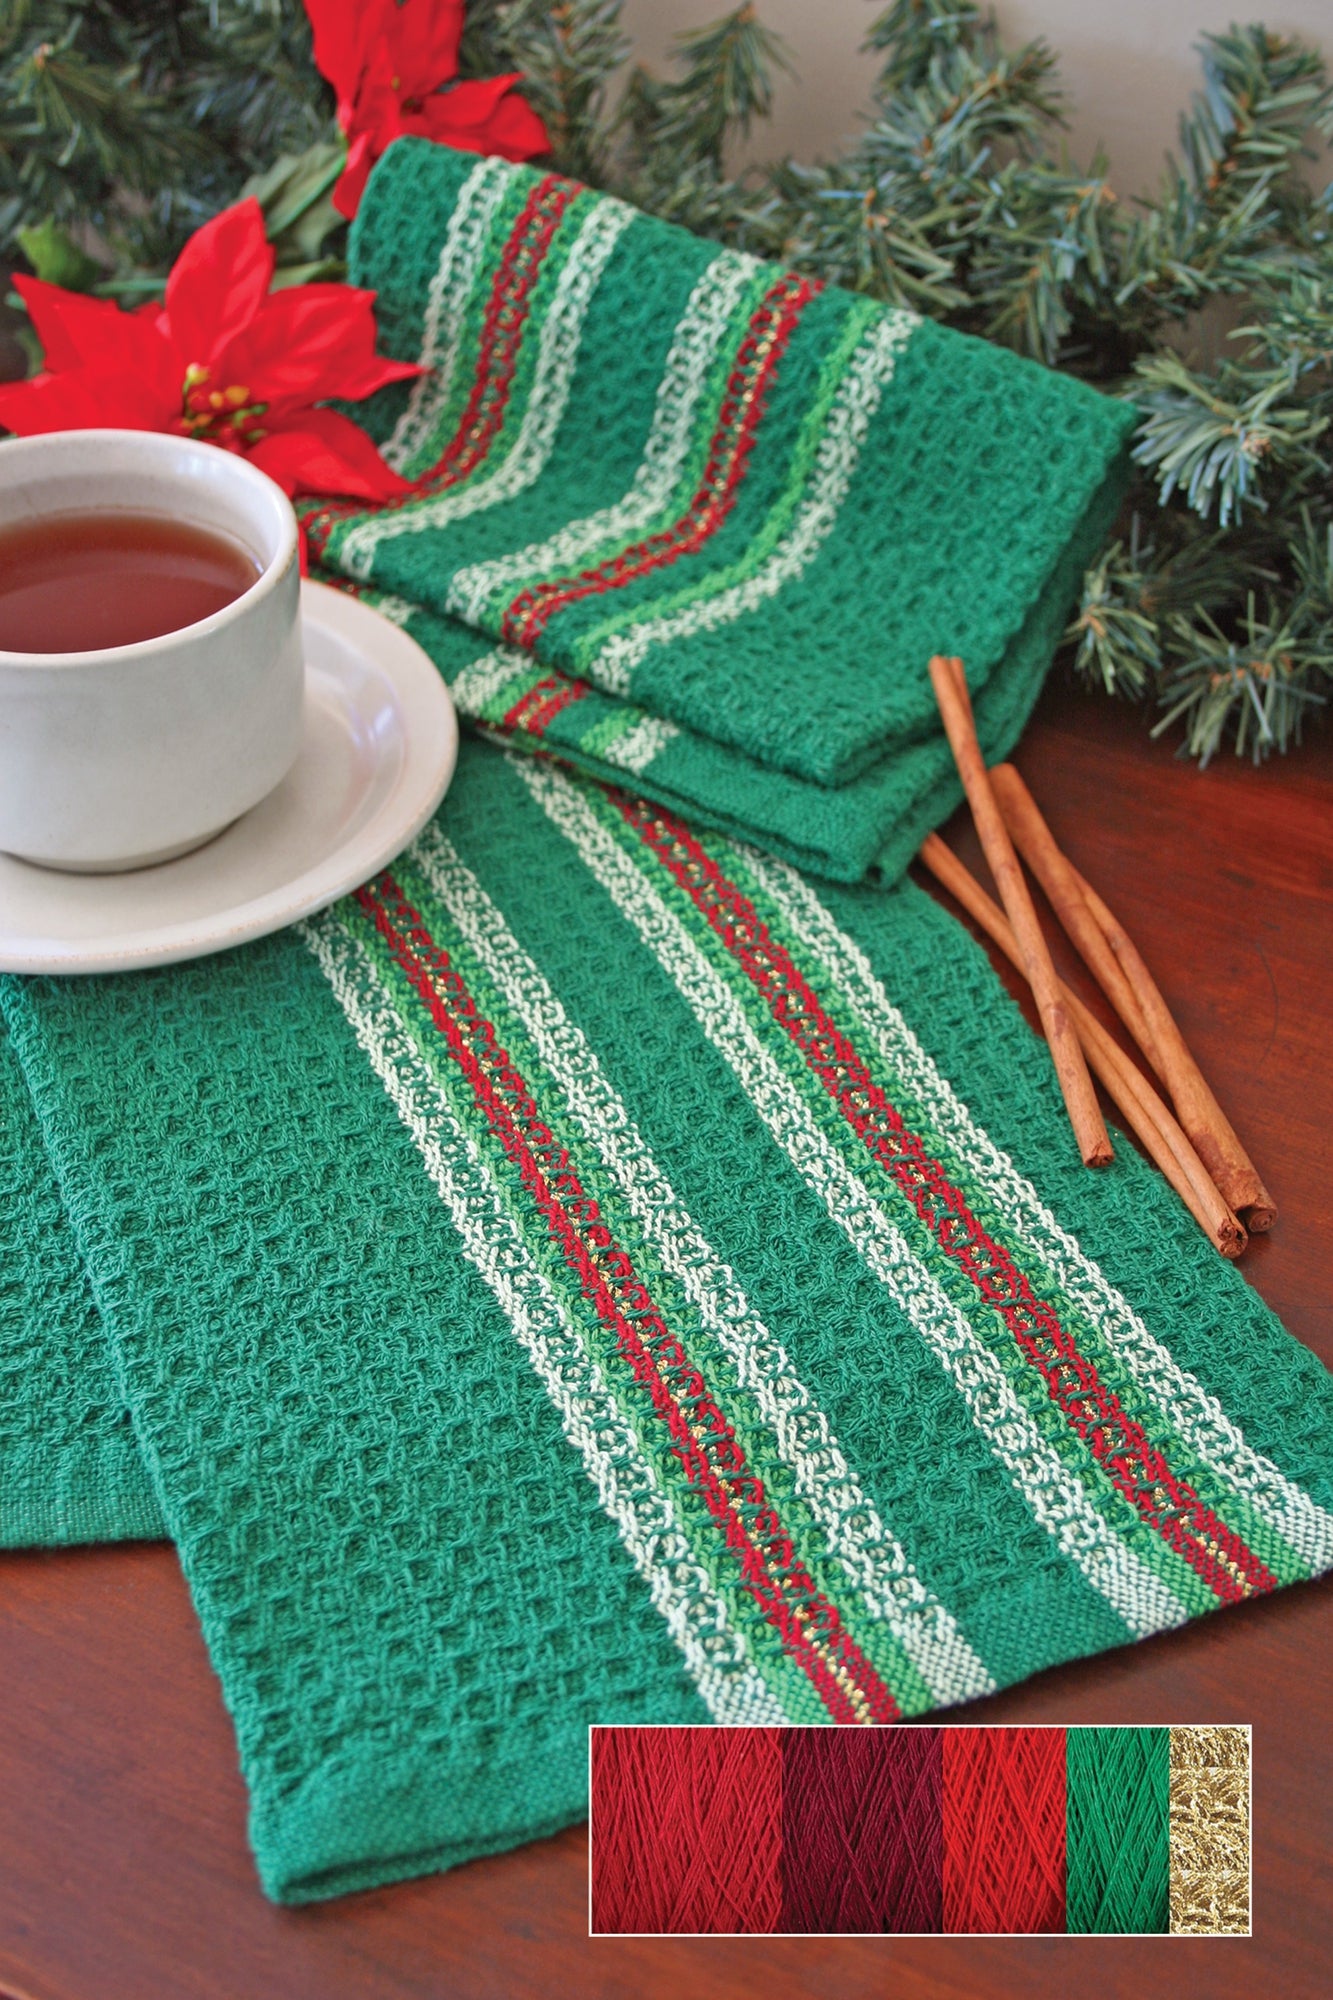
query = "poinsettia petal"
x=326 y=453
x=343 y=32
x=86 y=399
x=515 y=131
x=81 y=332
x=71 y=327
x=486 y=117
x=310 y=342
x=47 y=403
x=141 y=372
x=422 y=37
x=219 y=281
x=351 y=182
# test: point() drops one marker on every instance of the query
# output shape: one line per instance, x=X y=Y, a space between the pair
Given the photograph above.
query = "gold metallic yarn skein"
x=1210 y=1831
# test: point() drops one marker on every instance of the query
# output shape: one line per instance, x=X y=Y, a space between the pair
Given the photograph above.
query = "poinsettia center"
x=226 y=416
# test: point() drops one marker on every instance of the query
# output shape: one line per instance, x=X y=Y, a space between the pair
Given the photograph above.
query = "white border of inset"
x=889 y=1937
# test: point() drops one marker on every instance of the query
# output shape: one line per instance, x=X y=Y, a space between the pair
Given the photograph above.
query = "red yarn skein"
x=861 y=1830
x=686 y=1827
x=1004 y=1830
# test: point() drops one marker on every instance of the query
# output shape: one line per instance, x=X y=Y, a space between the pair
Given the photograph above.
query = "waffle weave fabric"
x=711 y=518
x=70 y=1470
x=593 y=1275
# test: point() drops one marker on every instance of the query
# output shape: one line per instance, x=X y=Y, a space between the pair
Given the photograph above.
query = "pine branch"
x=1048 y=246
x=964 y=104
x=1220 y=438
x=1258 y=685
x=77 y=131
x=863 y=239
x=1261 y=93
x=1115 y=636
x=1236 y=192
x=912 y=32
x=727 y=83
x=568 y=54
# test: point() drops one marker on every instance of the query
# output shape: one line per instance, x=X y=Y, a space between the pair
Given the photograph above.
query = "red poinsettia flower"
x=224 y=360
x=387 y=61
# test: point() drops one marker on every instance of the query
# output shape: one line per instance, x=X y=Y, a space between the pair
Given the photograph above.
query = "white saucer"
x=381 y=740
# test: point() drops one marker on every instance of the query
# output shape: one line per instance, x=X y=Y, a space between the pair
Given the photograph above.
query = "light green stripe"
x=610 y=729
x=761 y=545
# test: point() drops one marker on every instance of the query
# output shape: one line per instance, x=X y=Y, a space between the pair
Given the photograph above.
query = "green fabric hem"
x=61 y=1499
x=415 y=1815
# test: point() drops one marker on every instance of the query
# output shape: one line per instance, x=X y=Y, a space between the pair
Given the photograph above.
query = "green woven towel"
x=70 y=1470
x=730 y=515
x=593 y=1275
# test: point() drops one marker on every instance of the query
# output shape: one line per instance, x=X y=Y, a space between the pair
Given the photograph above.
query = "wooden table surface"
x=123 y=1864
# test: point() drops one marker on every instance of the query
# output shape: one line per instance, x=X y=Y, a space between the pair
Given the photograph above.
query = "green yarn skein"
x=1117 y=1835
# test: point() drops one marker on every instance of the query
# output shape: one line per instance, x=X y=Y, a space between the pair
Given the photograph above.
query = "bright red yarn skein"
x=1004 y=1830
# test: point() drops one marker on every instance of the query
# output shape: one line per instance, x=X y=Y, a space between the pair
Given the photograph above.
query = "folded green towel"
x=744 y=508
x=867 y=829
x=591 y=1275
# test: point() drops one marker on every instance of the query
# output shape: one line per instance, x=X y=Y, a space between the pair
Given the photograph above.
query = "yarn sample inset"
x=919 y=1832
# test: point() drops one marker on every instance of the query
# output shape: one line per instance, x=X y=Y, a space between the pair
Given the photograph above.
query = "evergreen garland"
x=124 y=123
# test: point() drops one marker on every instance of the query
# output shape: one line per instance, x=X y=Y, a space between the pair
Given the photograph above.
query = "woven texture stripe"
x=718 y=987
x=861 y=1830
x=1140 y=1471
x=688 y=484
x=1210 y=1831
x=686 y=1830
x=607 y=1275
x=1116 y=1829
x=517 y=1330
x=869 y=1557
x=1004 y=1830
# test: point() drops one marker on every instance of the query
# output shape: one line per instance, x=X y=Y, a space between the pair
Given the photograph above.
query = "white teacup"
x=134 y=754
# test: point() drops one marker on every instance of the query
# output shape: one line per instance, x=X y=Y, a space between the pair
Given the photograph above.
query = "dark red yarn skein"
x=686 y=1825
x=1004 y=1830
x=861 y=1846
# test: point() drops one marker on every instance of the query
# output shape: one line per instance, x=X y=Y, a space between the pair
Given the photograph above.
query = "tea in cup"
x=151 y=670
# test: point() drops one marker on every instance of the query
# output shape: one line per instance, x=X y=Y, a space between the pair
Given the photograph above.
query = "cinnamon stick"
x=947 y=679
x=1142 y=1109
x=1199 y=1112
x=1064 y=890
x=1112 y=956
